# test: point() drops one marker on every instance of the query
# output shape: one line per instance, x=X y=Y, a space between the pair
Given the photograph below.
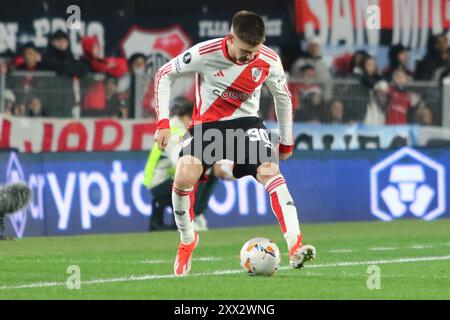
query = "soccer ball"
x=260 y=257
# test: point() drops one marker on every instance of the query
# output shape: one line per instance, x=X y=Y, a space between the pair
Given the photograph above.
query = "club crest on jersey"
x=256 y=74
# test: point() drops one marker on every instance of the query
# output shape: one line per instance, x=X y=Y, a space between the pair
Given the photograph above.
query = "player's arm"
x=277 y=84
x=188 y=62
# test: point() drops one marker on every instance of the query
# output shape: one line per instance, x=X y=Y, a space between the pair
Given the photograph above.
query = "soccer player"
x=229 y=74
x=160 y=167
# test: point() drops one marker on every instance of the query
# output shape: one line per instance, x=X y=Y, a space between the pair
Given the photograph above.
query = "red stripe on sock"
x=181 y=193
x=192 y=202
x=275 y=183
x=277 y=210
x=271 y=190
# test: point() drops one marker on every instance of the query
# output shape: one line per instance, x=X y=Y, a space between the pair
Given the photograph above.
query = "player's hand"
x=162 y=137
x=285 y=156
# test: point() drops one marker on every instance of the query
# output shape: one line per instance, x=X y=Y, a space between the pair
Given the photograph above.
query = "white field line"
x=341 y=251
x=382 y=248
x=211 y=258
x=224 y=272
x=416 y=246
x=421 y=246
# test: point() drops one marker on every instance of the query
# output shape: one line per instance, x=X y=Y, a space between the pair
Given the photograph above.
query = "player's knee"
x=189 y=170
x=267 y=171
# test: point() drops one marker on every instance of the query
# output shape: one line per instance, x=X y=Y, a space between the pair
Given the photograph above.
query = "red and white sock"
x=183 y=210
x=284 y=209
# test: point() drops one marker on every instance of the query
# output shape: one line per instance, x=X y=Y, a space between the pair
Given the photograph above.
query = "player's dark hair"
x=249 y=27
x=181 y=108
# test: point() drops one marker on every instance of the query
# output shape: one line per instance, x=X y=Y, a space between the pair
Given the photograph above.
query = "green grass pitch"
x=413 y=257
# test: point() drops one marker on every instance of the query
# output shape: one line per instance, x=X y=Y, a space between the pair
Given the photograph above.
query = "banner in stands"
x=343 y=22
x=345 y=137
x=102 y=192
x=129 y=34
x=55 y=135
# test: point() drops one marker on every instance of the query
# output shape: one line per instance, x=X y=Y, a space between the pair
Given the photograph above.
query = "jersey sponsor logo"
x=180 y=212
x=256 y=74
x=234 y=94
x=187 y=58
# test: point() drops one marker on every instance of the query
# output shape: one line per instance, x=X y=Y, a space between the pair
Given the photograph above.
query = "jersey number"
x=256 y=134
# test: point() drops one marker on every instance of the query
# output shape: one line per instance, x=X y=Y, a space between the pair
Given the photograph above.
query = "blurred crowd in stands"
x=352 y=90
x=98 y=85
x=381 y=97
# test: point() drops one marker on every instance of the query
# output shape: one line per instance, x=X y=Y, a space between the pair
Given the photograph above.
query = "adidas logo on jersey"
x=219 y=73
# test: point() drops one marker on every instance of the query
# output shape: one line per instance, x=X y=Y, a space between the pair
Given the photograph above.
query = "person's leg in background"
x=204 y=191
x=161 y=200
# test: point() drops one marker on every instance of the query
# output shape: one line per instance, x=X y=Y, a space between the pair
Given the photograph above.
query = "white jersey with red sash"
x=225 y=89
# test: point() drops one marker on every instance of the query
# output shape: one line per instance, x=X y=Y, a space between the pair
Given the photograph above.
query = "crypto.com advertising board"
x=102 y=192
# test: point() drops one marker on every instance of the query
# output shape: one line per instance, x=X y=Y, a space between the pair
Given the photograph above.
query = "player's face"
x=241 y=51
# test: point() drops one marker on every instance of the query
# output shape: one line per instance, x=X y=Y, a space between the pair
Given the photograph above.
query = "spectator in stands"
x=398 y=59
x=356 y=64
x=30 y=59
x=26 y=84
x=312 y=57
x=307 y=96
x=20 y=110
x=342 y=65
x=443 y=71
x=3 y=67
x=137 y=64
x=401 y=102
x=113 y=101
x=335 y=112
x=376 y=108
x=35 y=108
x=59 y=58
x=9 y=99
x=424 y=116
x=123 y=112
x=369 y=76
x=96 y=100
x=434 y=58
x=93 y=55
x=312 y=106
